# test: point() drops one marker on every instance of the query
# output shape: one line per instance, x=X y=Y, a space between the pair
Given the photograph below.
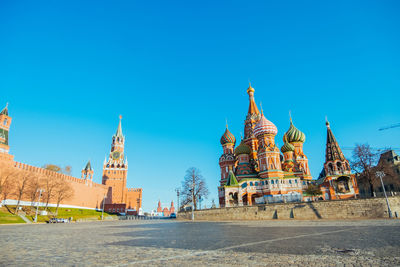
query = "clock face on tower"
x=115 y=155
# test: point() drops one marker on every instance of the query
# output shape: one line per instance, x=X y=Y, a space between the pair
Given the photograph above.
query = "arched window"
x=5 y=121
x=272 y=181
x=330 y=168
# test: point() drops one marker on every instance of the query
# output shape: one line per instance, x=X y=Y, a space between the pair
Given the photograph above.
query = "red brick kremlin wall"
x=86 y=193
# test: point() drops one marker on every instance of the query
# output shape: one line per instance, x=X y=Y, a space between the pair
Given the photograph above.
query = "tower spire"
x=5 y=110
x=252 y=107
x=333 y=151
x=119 y=130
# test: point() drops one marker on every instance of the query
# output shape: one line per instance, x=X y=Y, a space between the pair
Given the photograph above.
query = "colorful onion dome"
x=287 y=147
x=242 y=149
x=264 y=126
x=294 y=134
x=227 y=138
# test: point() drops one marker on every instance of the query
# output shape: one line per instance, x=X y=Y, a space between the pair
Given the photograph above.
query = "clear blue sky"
x=176 y=69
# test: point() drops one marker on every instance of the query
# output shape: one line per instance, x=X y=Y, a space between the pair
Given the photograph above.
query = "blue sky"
x=176 y=69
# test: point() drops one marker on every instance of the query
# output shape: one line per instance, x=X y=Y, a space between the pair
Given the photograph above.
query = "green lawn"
x=76 y=214
x=7 y=217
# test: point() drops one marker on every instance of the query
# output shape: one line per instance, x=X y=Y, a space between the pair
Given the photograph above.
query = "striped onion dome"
x=287 y=147
x=227 y=138
x=242 y=149
x=264 y=126
x=294 y=134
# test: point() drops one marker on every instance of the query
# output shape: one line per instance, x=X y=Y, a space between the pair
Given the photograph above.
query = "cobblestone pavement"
x=175 y=243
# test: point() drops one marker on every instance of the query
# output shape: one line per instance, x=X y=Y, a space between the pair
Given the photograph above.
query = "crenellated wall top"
x=43 y=171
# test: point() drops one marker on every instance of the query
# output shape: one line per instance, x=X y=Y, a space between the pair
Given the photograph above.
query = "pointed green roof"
x=232 y=181
x=5 y=110
x=88 y=166
x=119 y=130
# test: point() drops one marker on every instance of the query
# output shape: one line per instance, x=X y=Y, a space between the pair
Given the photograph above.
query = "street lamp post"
x=102 y=210
x=37 y=205
x=193 y=198
x=381 y=174
x=177 y=194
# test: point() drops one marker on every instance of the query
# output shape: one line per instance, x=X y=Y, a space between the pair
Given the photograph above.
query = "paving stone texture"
x=176 y=243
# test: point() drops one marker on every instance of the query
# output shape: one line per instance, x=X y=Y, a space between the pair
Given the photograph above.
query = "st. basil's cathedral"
x=255 y=172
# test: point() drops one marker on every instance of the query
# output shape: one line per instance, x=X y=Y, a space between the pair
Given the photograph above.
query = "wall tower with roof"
x=87 y=172
x=5 y=122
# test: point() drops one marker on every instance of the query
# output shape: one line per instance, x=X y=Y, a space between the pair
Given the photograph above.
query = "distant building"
x=336 y=180
x=390 y=163
x=164 y=212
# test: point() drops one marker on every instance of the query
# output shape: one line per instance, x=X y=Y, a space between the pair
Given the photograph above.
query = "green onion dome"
x=294 y=134
x=287 y=147
x=227 y=138
x=242 y=149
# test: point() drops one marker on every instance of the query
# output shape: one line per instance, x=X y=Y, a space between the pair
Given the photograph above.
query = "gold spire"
x=290 y=116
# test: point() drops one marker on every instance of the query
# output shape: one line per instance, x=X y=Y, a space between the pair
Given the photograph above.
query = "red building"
x=115 y=171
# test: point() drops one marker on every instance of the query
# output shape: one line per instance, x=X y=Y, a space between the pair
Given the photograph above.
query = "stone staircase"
x=23 y=217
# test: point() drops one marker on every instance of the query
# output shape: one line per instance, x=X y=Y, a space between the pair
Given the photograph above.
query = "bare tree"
x=365 y=164
x=22 y=182
x=33 y=187
x=313 y=190
x=52 y=167
x=55 y=168
x=50 y=184
x=7 y=175
x=62 y=191
x=67 y=170
x=193 y=181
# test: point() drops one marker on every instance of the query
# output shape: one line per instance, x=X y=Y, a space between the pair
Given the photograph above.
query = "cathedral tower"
x=115 y=169
x=336 y=180
x=227 y=159
x=297 y=138
x=268 y=152
x=253 y=116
